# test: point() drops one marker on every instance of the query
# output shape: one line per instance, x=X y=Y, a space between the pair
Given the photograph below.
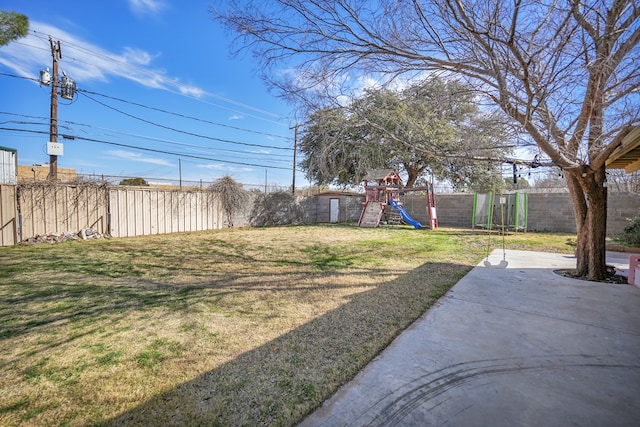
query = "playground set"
x=383 y=201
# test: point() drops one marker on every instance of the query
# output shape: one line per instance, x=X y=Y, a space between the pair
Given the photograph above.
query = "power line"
x=182 y=131
x=504 y=160
x=151 y=138
x=31 y=46
x=149 y=149
x=85 y=92
x=184 y=115
x=20 y=77
x=514 y=162
x=67 y=136
x=467 y=157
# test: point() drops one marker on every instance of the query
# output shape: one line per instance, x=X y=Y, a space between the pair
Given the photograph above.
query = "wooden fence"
x=35 y=209
x=45 y=208
x=8 y=220
x=144 y=211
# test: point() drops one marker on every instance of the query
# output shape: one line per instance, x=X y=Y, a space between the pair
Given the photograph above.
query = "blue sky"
x=154 y=77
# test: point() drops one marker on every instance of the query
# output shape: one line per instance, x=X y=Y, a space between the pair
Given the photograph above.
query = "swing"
x=503 y=263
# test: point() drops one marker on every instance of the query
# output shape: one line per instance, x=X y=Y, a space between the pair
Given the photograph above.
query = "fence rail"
x=28 y=210
x=8 y=218
x=146 y=211
x=46 y=208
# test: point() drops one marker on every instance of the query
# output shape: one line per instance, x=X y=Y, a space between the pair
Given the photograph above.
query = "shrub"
x=133 y=181
x=631 y=234
x=278 y=208
x=232 y=195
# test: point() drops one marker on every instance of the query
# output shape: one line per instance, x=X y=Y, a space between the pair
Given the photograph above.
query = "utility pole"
x=295 y=149
x=56 y=53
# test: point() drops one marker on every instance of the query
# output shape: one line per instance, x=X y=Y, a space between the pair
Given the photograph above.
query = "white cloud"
x=215 y=166
x=368 y=82
x=138 y=157
x=224 y=167
x=145 y=7
x=191 y=91
x=235 y=117
x=137 y=56
x=84 y=61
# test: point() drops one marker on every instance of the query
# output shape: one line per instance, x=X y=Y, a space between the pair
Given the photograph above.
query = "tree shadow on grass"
x=278 y=383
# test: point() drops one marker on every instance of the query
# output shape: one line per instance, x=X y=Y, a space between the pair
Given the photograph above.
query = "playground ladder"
x=371 y=215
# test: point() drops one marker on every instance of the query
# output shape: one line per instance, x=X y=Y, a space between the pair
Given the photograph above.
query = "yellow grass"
x=233 y=327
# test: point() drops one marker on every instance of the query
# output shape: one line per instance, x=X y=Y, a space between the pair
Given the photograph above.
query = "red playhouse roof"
x=383 y=176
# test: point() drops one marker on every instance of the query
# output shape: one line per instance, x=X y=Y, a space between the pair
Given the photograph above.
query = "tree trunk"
x=411 y=181
x=589 y=198
x=412 y=174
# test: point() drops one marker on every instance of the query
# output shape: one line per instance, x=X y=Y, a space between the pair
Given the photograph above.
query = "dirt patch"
x=612 y=277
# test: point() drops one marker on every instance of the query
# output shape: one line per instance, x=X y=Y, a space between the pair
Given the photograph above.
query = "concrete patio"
x=514 y=346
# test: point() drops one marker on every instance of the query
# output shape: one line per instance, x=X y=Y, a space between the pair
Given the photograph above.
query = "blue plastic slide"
x=405 y=216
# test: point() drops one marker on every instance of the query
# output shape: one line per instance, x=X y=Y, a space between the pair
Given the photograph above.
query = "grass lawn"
x=230 y=327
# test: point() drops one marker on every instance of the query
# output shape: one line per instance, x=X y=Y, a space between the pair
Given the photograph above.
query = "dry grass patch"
x=232 y=327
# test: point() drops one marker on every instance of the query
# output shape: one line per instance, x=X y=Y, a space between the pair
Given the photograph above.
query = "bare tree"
x=619 y=180
x=567 y=71
x=553 y=180
x=232 y=194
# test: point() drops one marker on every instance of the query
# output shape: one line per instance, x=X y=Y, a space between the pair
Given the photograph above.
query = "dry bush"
x=280 y=208
x=233 y=196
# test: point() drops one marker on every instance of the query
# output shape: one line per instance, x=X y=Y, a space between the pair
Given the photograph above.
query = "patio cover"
x=627 y=156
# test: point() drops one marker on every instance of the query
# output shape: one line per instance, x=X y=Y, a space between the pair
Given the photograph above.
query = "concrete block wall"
x=416 y=206
x=311 y=210
x=454 y=210
x=547 y=211
x=551 y=212
x=621 y=208
x=318 y=208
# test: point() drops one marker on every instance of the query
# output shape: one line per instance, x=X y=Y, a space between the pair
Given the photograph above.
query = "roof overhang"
x=627 y=156
x=339 y=194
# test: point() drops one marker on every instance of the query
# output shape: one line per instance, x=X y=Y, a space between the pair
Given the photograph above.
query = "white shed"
x=8 y=165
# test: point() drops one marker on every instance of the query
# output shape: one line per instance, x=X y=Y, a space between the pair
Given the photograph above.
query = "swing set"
x=504 y=212
x=513 y=209
x=503 y=263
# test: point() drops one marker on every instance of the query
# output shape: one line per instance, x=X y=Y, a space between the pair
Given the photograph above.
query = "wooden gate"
x=8 y=215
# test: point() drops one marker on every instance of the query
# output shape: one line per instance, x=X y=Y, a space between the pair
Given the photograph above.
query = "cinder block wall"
x=551 y=212
x=318 y=208
x=547 y=211
x=454 y=210
x=621 y=208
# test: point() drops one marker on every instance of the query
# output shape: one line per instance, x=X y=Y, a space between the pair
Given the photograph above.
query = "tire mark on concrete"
x=429 y=386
